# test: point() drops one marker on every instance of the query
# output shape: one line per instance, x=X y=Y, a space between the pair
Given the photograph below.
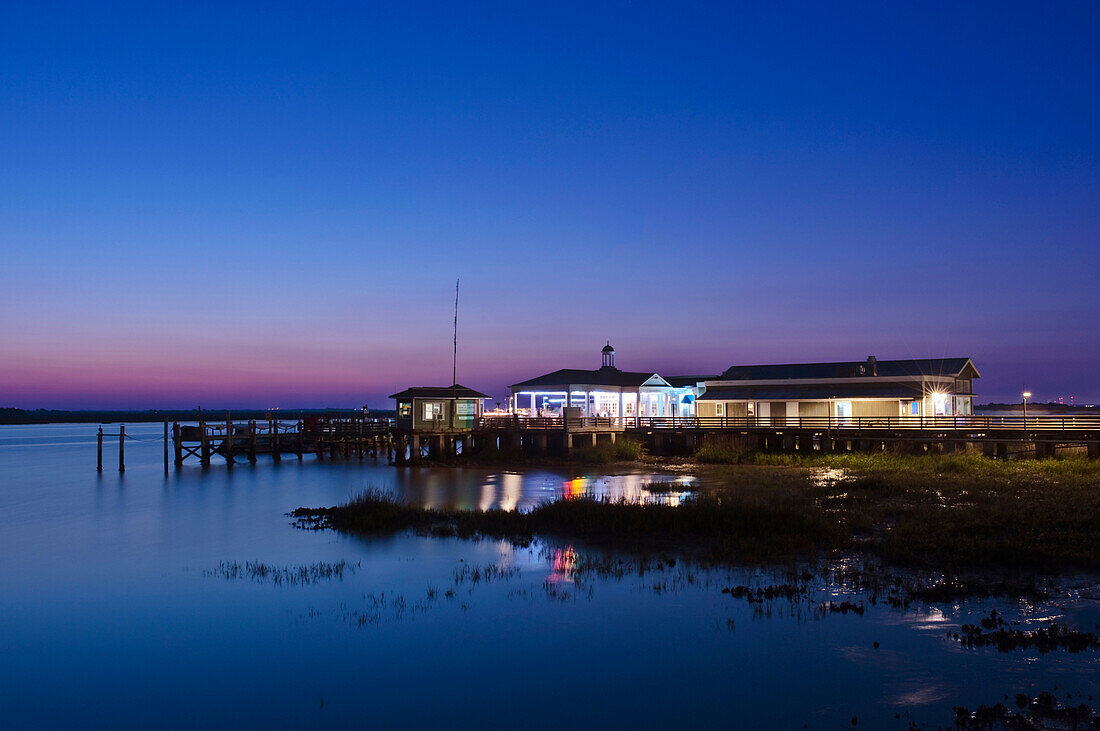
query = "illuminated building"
x=604 y=391
x=870 y=388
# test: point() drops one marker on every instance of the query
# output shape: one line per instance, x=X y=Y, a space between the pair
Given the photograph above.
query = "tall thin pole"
x=121 y=447
x=454 y=359
x=454 y=363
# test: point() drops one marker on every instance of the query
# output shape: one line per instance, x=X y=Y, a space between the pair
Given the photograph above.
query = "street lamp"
x=1026 y=395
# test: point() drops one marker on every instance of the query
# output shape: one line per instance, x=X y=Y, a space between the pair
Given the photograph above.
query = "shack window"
x=404 y=410
x=719 y=408
x=433 y=410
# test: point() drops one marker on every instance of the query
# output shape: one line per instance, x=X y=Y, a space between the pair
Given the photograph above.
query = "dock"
x=326 y=438
x=358 y=438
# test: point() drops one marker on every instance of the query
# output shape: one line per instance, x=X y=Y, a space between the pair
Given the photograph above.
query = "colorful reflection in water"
x=651 y=489
x=563 y=562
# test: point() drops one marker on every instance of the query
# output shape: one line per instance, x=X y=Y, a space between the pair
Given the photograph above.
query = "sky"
x=255 y=205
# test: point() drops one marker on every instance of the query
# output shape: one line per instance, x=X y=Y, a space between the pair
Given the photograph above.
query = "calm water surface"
x=117 y=610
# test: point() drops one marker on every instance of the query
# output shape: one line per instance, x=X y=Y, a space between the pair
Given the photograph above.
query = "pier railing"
x=1042 y=422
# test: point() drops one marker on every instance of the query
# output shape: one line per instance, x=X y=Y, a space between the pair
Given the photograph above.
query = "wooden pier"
x=327 y=438
x=373 y=438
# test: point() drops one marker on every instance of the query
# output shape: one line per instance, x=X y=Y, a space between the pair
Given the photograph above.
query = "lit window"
x=719 y=409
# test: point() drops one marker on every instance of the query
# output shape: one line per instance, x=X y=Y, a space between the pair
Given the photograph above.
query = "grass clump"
x=622 y=450
x=728 y=527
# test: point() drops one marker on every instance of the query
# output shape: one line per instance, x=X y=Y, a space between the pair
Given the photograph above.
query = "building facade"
x=779 y=394
x=438 y=408
x=604 y=391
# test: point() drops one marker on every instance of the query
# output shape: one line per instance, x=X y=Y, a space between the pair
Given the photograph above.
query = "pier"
x=347 y=438
x=326 y=438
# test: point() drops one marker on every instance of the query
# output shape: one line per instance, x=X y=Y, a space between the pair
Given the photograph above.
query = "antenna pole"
x=454 y=364
x=454 y=361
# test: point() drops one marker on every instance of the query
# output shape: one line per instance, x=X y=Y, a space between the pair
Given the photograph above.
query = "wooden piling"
x=228 y=439
x=121 y=447
x=276 y=451
x=99 y=451
x=204 y=448
x=166 y=446
x=178 y=443
x=252 y=442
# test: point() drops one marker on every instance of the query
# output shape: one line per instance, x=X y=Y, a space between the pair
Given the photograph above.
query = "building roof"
x=823 y=392
x=682 y=381
x=914 y=368
x=606 y=376
x=607 y=348
x=439 y=392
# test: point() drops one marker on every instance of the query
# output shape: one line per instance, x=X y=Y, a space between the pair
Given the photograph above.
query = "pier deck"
x=347 y=438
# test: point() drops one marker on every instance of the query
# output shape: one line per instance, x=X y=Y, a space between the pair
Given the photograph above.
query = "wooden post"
x=301 y=437
x=166 y=446
x=121 y=447
x=178 y=443
x=99 y=451
x=276 y=450
x=252 y=442
x=228 y=439
x=204 y=442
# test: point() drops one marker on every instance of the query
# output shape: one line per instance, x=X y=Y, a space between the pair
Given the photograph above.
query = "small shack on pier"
x=436 y=409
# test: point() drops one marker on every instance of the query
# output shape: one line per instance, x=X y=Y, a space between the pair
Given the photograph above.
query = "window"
x=433 y=410
x=719 y=408
x=404 y=410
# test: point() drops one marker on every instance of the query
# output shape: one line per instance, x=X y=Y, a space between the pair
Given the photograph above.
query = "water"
x=115 y=612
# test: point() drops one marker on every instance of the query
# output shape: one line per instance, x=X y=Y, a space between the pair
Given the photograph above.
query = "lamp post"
x=1026 y=395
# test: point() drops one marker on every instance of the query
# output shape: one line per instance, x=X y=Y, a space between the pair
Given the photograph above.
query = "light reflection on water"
x=110 y=613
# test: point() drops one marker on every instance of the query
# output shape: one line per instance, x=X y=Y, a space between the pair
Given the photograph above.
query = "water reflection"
x=563 y=562
x=632 y=488
x=450 y=488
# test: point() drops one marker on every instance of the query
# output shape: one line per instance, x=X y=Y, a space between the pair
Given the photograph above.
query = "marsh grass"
x=623 y=450
x=279 y=575
x=732 y=525
x=941 y=513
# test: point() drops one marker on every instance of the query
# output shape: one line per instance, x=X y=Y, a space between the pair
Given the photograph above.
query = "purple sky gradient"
x=240 y=205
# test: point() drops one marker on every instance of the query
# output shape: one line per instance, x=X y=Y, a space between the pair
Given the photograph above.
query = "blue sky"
x=268 y=204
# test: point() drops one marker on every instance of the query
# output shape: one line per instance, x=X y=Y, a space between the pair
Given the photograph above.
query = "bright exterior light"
x=1027 y=394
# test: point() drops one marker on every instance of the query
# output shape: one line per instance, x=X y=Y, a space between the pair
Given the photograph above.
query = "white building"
x=605 y=391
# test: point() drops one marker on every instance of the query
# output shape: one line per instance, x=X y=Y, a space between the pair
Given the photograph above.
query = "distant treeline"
x=53 y=416
x=1051 y=408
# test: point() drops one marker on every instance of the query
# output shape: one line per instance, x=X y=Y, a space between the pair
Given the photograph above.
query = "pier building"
x=604 y=391
x=781 y=394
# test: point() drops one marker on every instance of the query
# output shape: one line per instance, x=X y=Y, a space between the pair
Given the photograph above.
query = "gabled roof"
x=606 y=376
x=439 y=392
x=780 y=392
x=953 y=367
x=682 y=381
